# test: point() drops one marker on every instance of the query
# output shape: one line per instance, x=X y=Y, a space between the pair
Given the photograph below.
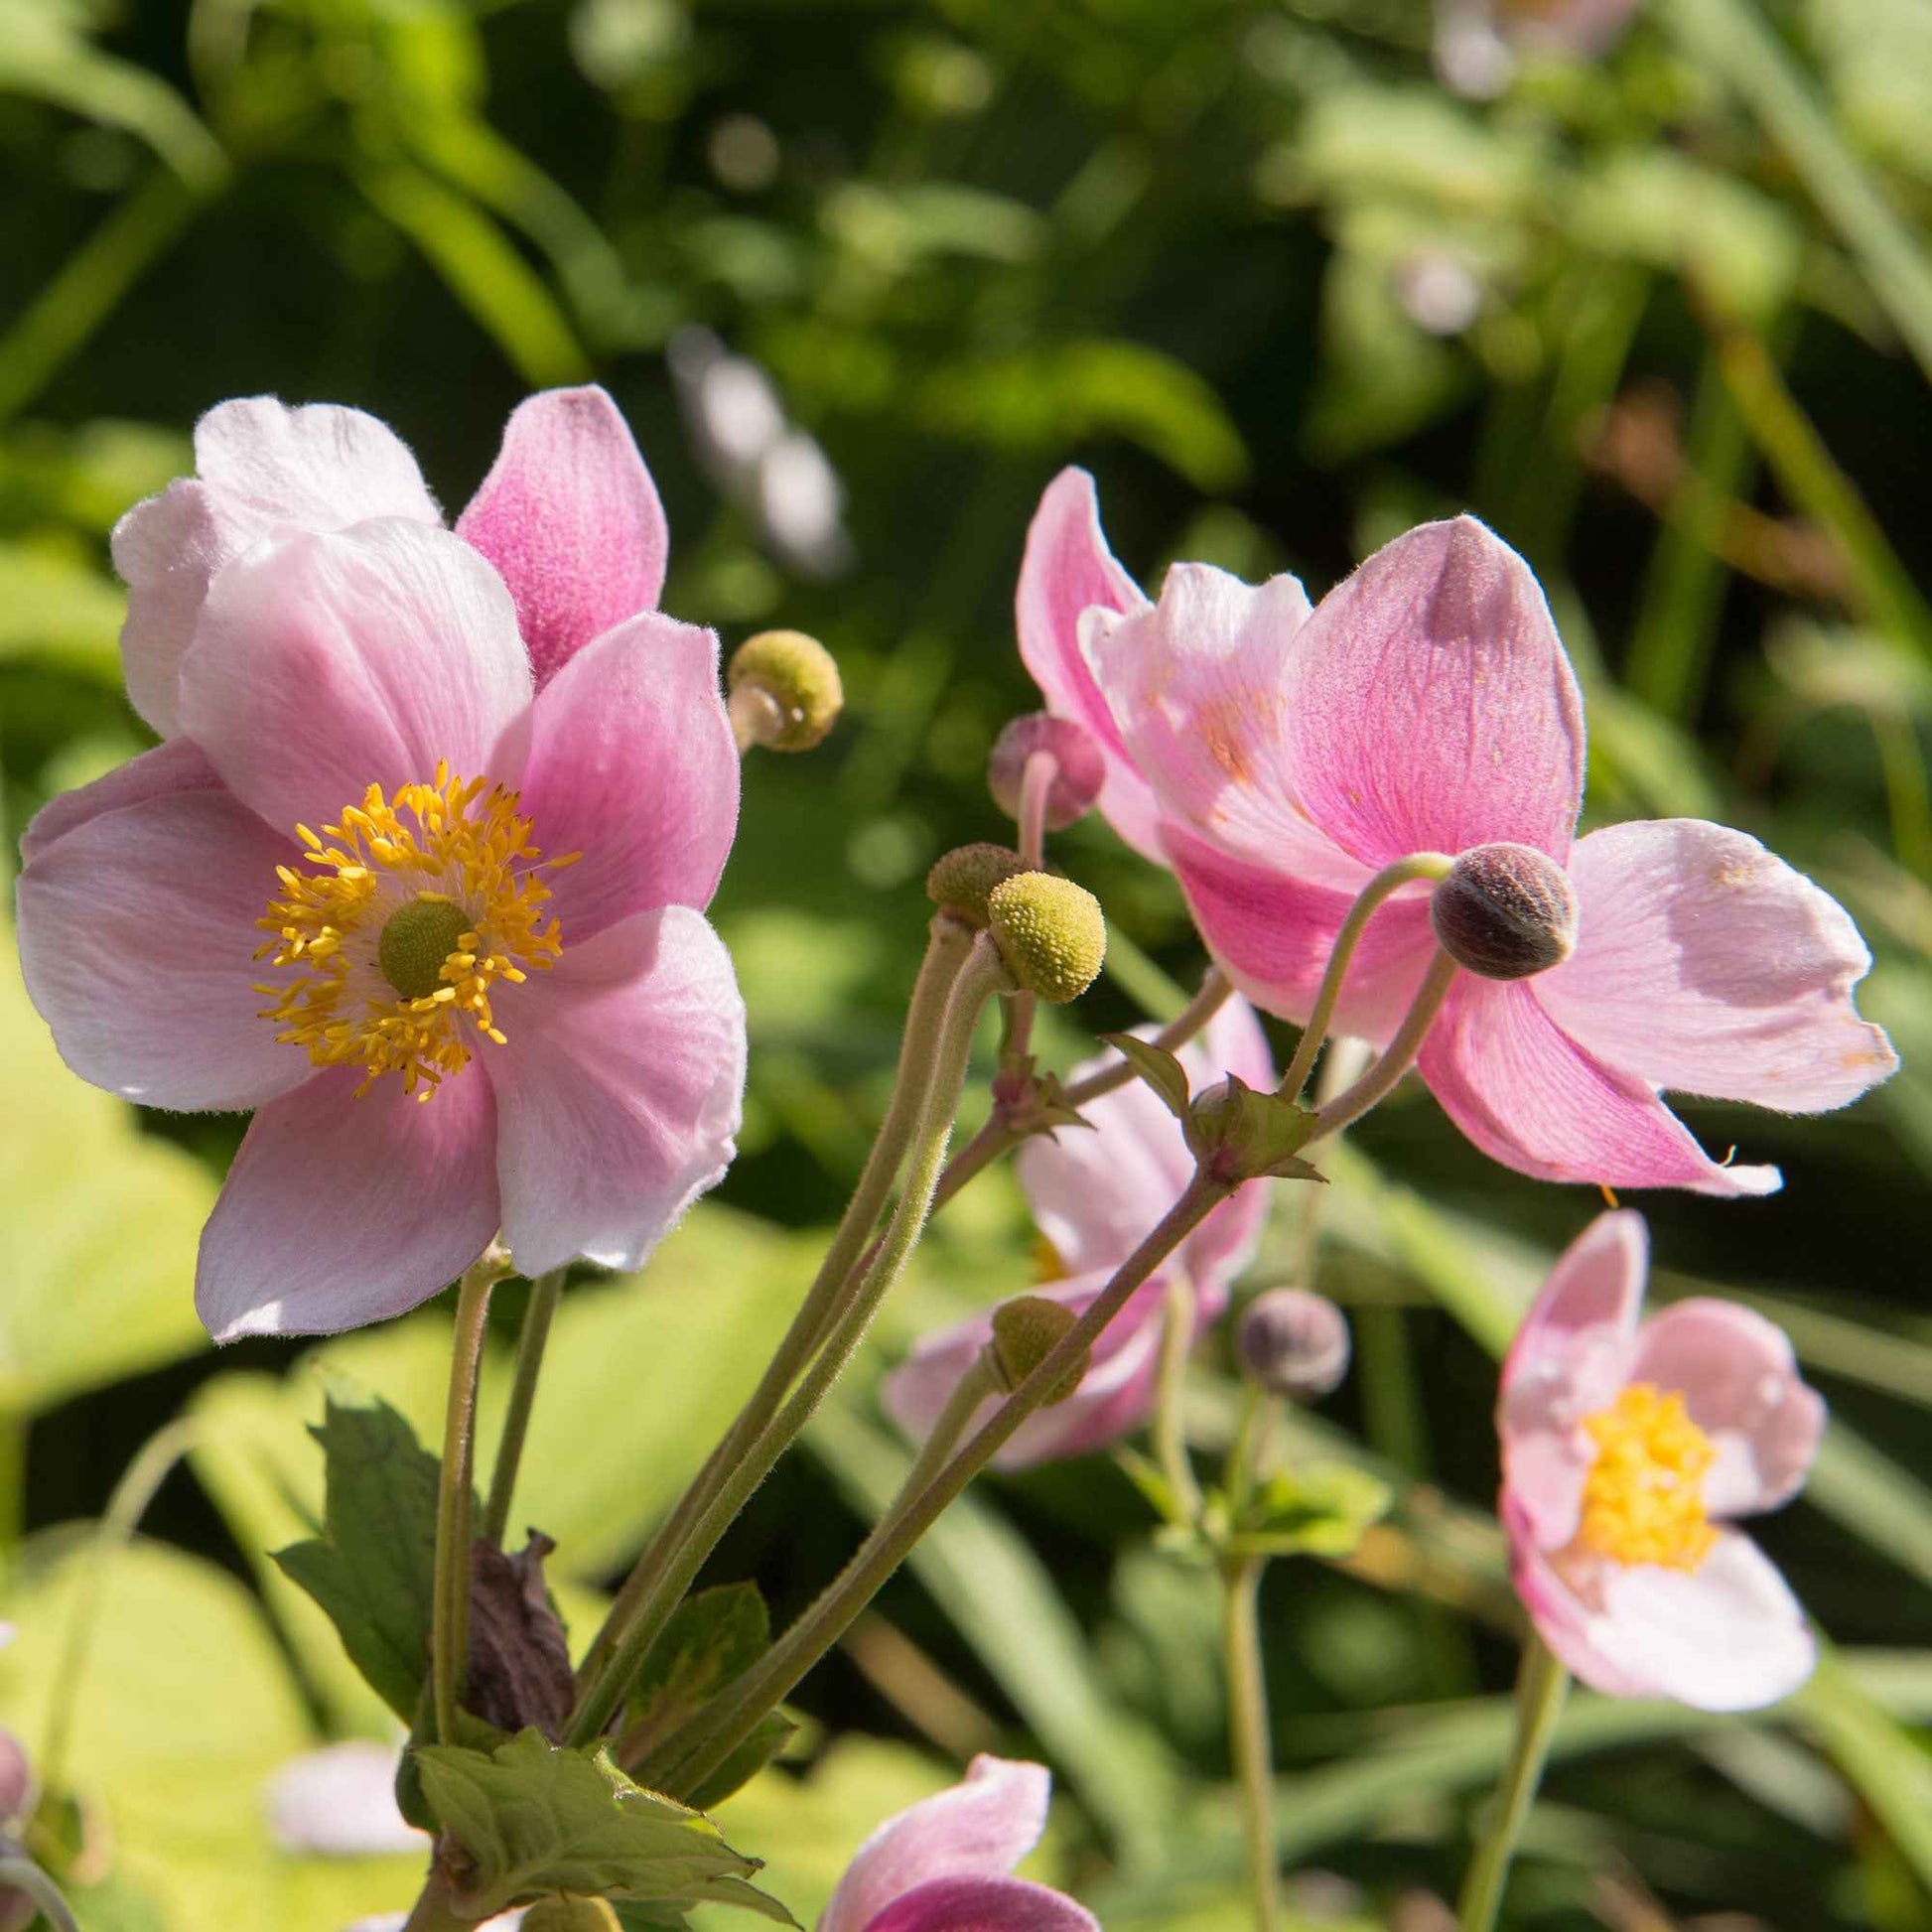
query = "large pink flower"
x=942 y=1865
x=1095 y=1191
x=1277 y=759
x=1626 y=1451
x=396 y=852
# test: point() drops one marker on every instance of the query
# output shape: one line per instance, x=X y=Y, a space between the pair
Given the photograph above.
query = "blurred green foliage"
x=1664 y=318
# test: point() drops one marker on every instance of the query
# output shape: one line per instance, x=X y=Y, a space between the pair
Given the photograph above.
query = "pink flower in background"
x=401 y=851
x=1277 y=759
x=1095 y=1193
x=943 y=1865
x=1627 y=1449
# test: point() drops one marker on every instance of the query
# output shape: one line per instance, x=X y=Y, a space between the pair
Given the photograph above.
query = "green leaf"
x=1158 y=1067
x=774 y=1731
x=1319 y=1509
x=371 y=1569
x=711 y=1639
x=536 y=1817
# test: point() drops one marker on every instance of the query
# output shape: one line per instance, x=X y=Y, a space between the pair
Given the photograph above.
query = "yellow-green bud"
x=1024 y=1332
x=961 y=880
x=1050 y=935
x=785 y=691
x=561 y=1914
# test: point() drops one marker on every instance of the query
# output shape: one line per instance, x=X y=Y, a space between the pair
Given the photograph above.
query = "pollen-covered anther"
x=409 y=914
x=1643 y=1499
x=1505 y=912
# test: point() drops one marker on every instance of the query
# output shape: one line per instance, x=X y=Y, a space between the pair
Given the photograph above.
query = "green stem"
x=724 y=1724
x=23 y=1875
x=455 y=1496
x=1906 y=801
x=948 y=1056
x=1540 y=1689
x=1397 y=1057
x=972 y=1389
x=946 y=952
x=545 y=1292
x=1405 y=872
x=435 y=1913
x=1190 y=1021
x=13 y=1484
x=1170 y=1433
x=1248 y=1733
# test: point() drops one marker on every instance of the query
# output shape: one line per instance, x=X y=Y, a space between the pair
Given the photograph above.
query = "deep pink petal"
x=618 y=1092
x=1570 y=1358
x=983 y=1827
x=1272 y=935
x=262 y=467
x=1530 y=1097
x=1704 y=964
x=1431 y=706
x=631 y=764
x=137 y=935
x=1068 y=569
x=1740 y=1384
x=340 y=1211
x=323 y=664
x=570 y=517
x=970 y=1905
x=178 y=766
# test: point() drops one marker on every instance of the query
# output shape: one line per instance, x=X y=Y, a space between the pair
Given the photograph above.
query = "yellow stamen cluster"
x=457 y=843
x=1643 y=1499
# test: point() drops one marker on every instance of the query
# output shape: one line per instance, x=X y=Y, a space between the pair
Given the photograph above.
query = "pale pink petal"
x=1704 y=964
x=1430 y=705
x=178 y=766
x=618 y=1092
x=1530 y=1097
x=1068 y=569
x=325 y=664
x=262 y=467
x=1562 y=1618
x=137 y=936
x=1569 y=1359
x=983 y=1827
x=1272 y=935
x=341 y=1802
x=1727 y=1636
x=570 y=516
x=341 y=1210
x=1740 y=1385
x=631 y=764
x=970 y=1905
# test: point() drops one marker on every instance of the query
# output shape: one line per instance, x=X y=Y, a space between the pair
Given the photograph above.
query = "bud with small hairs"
x=1079 y=769
x=1505 y=912
x=1026 y=1331
x=1294 y=1343
x=1050 y=932
x=785 y=691
x=961 y=880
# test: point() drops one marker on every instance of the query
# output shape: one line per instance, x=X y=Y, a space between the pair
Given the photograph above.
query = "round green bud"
x=563 y=1914
x=1050 y=935
x=785 y=691
x=962 y=878
x=1024 y=1332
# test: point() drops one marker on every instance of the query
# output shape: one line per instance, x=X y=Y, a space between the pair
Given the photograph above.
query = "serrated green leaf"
x=712 y=1638
x=372 y=1567
x=536 y=1817
x=1158 y=1067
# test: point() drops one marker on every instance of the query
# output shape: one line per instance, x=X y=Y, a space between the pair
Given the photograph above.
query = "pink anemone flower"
x=1627 y=1448
x=1277 y=759
x=434 y=824
x=943 y=1865
x=1095 y=1191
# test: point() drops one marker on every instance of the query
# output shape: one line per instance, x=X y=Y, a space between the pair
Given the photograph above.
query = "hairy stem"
x=1541 y=1686
x=545 y=1293
x=23 y=1875
x=1248 y=1733
x=1169 y=1435
x=1397 y=1057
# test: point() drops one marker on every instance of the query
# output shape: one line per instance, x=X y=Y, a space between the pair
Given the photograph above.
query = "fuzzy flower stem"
x=435 y=1913
x=23 y=1875
x=1397 y=1057
x=1418 y=865
x=946 y=1058
x=450 y=1593
x=1035 y=788
x=1248 y=1733
x=1170 y=1433
x=1541 y=1686
x=946 y=952
x=1184 y=1027
x=972 y=1388
x=722 y=1726
x=545 y=1293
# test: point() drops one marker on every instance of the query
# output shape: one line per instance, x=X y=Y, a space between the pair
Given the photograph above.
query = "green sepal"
x=372 y=1569
x=1051 y=1107
x=1319 y=1509
x=1158 y=1067
x=535 y=1817
x=1250 y=1134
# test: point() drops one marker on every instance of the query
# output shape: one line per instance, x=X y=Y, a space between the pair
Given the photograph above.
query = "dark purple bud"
x=1082 y=770
x=1505 y=912
x=1294 y=1343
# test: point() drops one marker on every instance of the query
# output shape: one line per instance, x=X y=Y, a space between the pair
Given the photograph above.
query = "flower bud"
x=960 y=880
x=1294 y=1343
x=1505 y=912
x=1079 y=772
x=561 y=1914
x=1024 y=1332
x=1050 y=935
x=785 y=692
